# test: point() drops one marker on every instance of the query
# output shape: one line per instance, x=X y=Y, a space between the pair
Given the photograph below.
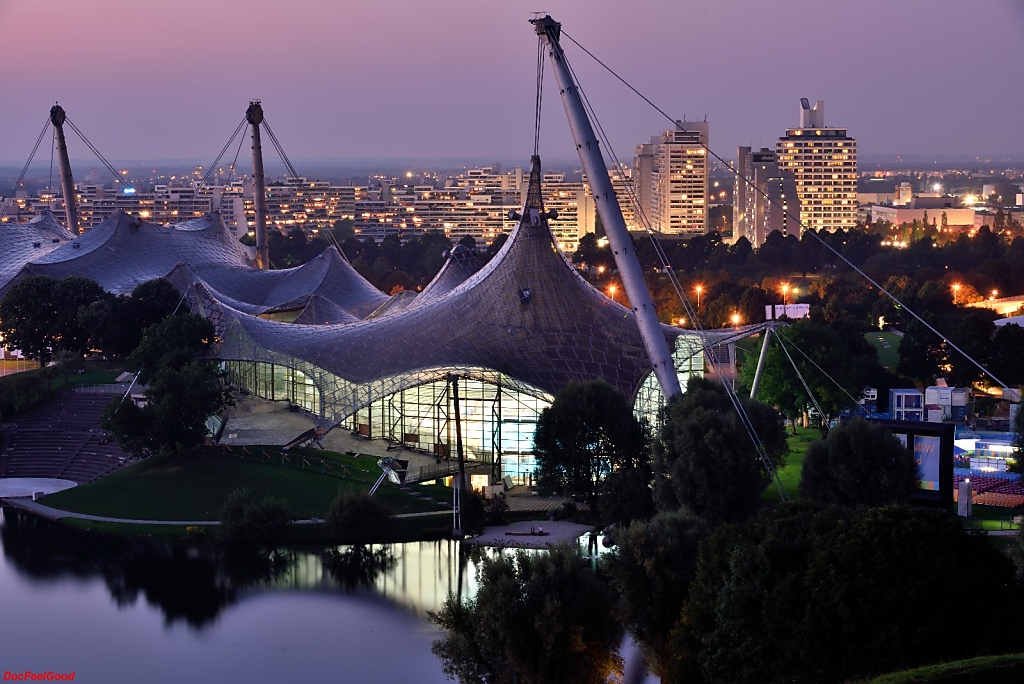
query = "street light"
x=700 y=288
x=681 y=322
x=956 y=290
x=735 y=319
x=995 y=293
x=611 y=291
x=785 y=293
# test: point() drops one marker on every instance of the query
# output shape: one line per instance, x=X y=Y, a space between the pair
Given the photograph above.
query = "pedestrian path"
x=51 y=513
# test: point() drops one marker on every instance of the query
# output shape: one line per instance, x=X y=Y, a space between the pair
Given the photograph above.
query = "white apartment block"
x=671 y=176
x=823 y=161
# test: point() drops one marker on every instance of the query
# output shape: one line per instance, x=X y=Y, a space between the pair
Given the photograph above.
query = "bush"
x=859 y=464
x=474 y=512
x=357 y=517
x=246 y=519
x=496 y=507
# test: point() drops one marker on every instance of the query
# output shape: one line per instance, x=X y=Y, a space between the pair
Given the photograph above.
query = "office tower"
x=672 y=179
x=823 y=161
x=764 y=198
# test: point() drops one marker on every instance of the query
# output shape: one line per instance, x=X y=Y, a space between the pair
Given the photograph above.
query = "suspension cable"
x=280 y=150
x=540 y=95
x=210 y=170
x=96 y=151
x=822 y=371
x=53 y=146
x=803 y=381
x=803 y=227
x=734 y=399
x=24 y=170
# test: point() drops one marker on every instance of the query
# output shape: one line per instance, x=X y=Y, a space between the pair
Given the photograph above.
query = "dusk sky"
x=455 y=79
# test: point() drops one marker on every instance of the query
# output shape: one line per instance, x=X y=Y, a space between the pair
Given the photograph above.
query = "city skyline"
x=457 y=81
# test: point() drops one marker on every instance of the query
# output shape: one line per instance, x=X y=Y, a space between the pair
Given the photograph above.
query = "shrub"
x=358 y=517
x=496 y=507
x=246 y=519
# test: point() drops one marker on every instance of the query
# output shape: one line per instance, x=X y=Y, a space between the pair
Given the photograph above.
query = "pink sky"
x=455 y=78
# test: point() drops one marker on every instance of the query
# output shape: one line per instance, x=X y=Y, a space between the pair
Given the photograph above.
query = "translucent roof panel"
x=21 y=243
x=123 y=252
x=327 y=275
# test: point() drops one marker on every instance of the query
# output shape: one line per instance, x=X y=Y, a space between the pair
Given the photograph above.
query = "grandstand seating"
x=992 y=489
x=61 y=439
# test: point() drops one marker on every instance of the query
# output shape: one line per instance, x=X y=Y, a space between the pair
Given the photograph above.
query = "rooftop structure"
x=124 y=251
x=20 y=243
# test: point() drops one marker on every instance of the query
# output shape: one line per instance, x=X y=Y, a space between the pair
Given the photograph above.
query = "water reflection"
x=358 y=567
x=193 y=582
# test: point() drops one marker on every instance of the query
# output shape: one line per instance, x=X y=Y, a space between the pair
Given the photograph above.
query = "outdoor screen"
x=926 y=453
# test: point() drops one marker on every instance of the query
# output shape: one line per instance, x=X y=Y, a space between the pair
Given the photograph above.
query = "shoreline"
x=517 y=535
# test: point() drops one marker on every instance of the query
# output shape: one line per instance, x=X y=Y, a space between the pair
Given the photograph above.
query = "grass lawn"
x=789 y=474
x=989 y=669
x=888 y=356
x=192 y=486
x=992 y=518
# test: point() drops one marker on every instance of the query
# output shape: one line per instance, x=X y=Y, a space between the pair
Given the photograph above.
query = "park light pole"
x=956 y=290
x=699 y=288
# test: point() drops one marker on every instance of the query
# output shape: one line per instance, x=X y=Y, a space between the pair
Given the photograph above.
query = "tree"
x=816 y=348
x=588 y=432
x=860 y=463
x=182 y=389
x=885 y=568
x=39 y=315
x=115 y=323
x=704 y=459
x=1017 y=466
x=535 y=619
x=247 y=519
x=357 y=517
x=172 y=343
x=650 y=571
x=626 y=496
x=73 y=294
x=1008 y=362
x=810 y=594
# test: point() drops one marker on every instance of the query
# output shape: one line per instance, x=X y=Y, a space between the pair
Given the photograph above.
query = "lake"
x=119 y=610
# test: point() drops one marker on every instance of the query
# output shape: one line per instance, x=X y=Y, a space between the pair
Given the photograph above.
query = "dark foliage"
x=705 y=460
x=860 y=463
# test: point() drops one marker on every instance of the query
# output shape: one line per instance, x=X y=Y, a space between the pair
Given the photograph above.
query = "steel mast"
x=254 y=115
x=611 y=215
x=67 y=183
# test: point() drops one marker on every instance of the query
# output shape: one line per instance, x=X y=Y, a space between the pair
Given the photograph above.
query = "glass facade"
x=498 y=422
x=276 y=383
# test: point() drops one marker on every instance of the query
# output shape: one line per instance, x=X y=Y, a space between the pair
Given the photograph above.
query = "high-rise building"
x=764 y=198
x=671 y=179
x=823 y=161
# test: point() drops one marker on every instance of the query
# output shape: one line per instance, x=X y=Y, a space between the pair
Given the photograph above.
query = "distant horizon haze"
x=456 y=80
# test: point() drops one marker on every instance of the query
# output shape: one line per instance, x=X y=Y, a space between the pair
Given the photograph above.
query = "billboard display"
x=932 y=446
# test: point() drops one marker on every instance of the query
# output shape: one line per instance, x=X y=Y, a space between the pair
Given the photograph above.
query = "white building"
x=824 y=162
x=671 y=175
